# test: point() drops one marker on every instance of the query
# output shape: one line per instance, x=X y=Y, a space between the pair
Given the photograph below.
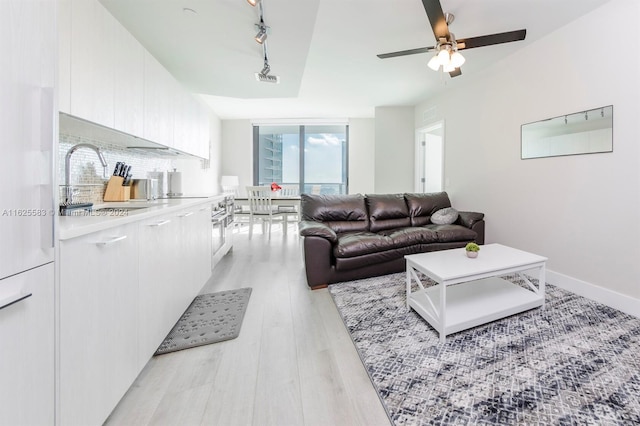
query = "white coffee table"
x=469 y=292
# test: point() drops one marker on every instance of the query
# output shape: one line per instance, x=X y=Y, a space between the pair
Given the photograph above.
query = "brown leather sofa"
x=348 y=237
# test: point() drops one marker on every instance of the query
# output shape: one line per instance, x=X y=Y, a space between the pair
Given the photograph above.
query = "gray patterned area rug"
x=210 y=318
x=576 y=362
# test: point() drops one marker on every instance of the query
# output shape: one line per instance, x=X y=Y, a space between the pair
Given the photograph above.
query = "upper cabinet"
x=107 y=77
x=160 y=93
x=92 y=62
x=129 y=82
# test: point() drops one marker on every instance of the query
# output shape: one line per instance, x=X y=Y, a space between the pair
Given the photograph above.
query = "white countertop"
x=94 y=221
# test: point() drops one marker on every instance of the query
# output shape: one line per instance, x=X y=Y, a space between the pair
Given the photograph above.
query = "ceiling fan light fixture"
x=457 y=59
x=443 y=56
x=434 y=63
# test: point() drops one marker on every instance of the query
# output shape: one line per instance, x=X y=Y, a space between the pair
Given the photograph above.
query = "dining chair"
x=261 y=208
x=289 y=191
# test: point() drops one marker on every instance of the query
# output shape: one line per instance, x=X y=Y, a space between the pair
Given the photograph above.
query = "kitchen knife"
x=117 y=169
x=126 y=171
x=127 y=180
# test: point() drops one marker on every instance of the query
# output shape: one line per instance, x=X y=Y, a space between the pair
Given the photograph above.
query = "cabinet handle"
x=161 y=223
x=15 y=298
x=186 y=214
x=111 y=241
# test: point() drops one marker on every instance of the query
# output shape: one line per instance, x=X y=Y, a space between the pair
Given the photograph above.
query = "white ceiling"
x=324 y=51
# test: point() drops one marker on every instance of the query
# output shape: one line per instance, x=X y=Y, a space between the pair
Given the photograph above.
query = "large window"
x=312 y=157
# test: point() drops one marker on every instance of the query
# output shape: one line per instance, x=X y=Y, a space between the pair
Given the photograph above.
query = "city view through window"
x=312 y=158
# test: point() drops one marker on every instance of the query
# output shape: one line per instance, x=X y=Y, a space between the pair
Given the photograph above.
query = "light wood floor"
x=293 y=363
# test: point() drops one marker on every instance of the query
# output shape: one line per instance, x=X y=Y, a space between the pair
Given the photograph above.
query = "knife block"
x=115 y=191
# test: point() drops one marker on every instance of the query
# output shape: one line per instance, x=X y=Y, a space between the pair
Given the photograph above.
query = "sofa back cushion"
x=342 y=213
x=422 y=206
x=387 y=211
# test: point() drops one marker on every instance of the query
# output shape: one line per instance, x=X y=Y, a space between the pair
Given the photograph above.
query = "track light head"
x=261 y=36
x=266 y=78
x=253 y=3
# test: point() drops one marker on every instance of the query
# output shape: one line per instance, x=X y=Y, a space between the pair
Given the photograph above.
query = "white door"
x=430 y=158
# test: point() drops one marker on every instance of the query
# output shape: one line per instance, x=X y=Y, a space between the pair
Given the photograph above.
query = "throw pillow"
x=445 y=216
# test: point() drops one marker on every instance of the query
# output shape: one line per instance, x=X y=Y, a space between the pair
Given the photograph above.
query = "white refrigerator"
x=27 y=211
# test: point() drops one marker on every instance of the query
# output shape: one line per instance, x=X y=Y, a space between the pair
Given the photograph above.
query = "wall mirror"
x=585 y=132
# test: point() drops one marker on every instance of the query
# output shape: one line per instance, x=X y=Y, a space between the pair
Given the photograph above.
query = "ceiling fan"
x=447 y=46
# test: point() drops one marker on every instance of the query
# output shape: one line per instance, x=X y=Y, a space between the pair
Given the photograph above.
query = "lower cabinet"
x=121 y=292
x=27 y=349
x=159 y=274
x=98 y=323
x=175 y=262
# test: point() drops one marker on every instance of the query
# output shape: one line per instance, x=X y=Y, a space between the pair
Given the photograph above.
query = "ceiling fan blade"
x=406 y=52
x=455 y=72
x=437 y=19
x=488 y=40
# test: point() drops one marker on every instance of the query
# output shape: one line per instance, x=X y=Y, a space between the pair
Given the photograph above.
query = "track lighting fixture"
x=261 y=38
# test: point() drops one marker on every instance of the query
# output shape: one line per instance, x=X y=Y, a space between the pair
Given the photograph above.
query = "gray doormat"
x=210 y=318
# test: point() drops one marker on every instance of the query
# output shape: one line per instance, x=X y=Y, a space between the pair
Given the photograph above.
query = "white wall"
x=580 y=211
x=361 y=155
x=394 y=149
x=237 y=153
x=198 y=177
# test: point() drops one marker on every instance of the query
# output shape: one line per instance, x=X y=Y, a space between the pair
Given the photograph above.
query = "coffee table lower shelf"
x=472 y=303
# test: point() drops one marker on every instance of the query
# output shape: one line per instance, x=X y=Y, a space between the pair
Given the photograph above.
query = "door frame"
x=418 y=182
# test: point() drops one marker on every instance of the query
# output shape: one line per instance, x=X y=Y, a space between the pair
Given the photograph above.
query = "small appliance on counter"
x=159 y=176
x=144 y=189
x=174 y=180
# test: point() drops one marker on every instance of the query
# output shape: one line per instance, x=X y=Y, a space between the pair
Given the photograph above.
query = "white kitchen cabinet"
x=195 y=248
x=128 y=68
x=191 y=131
x=160 y=91
x=92 y=59
x=175 y=263
x=27 y=354
x=160 y=273
x=98 y=323
x=64 y=56
x=203 y=130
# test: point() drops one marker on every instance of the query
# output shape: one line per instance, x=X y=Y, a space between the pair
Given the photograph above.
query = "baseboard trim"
x=622 y=302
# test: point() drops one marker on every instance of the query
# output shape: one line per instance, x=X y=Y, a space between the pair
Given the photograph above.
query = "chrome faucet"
x=67 y=167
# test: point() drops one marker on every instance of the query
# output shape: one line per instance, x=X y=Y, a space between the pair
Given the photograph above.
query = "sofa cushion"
x=422 y=206
x=445 y=216
x=342 y=213
x=403 y=237
x=358 y=243
x=451 y=233
x=387 y=211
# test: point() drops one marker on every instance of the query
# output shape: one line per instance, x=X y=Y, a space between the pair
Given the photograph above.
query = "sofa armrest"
x=317 y=229
x=468 y=219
